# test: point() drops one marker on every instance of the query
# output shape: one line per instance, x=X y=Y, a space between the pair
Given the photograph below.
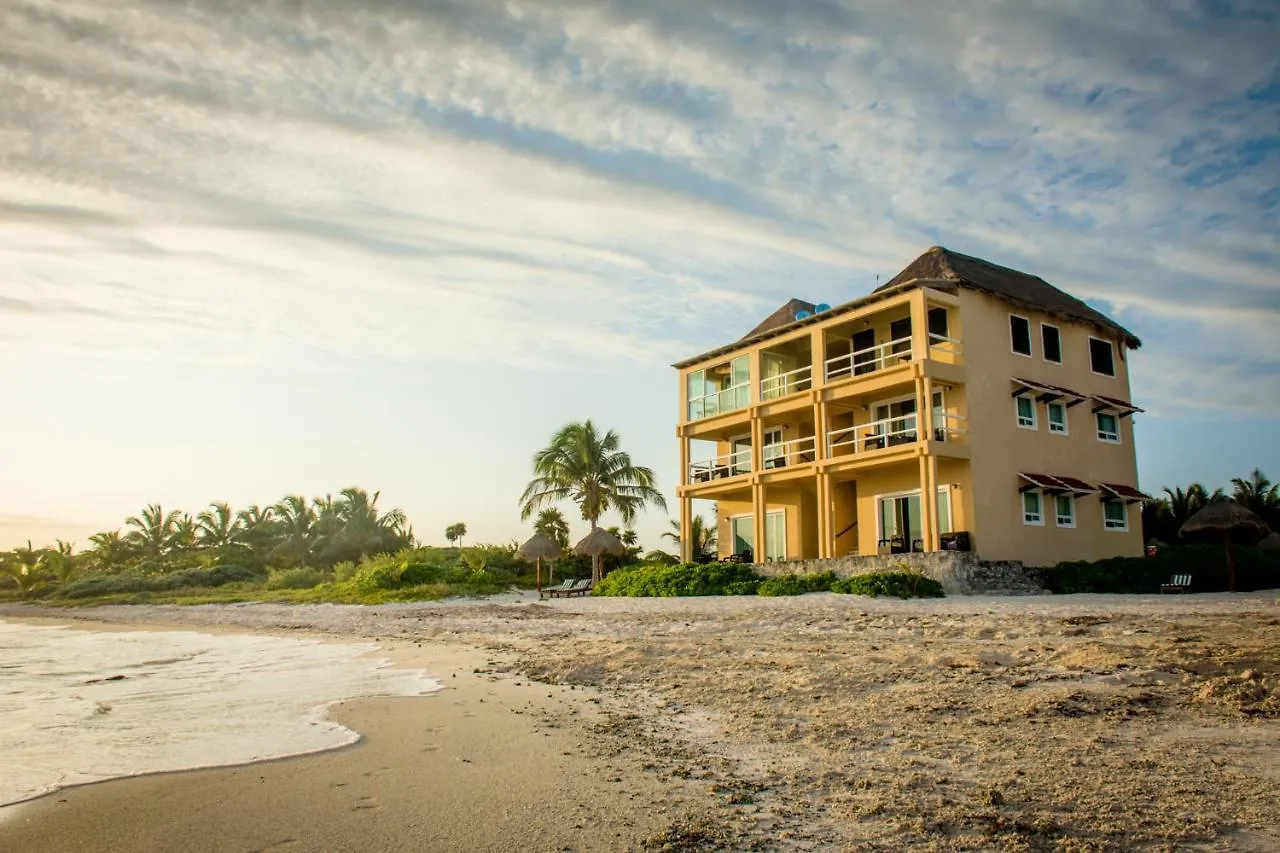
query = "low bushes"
x=680 y=580
x=897 y=584
x=1207 y=565
x=303 y=578
x=797 y=584
x=98 y=585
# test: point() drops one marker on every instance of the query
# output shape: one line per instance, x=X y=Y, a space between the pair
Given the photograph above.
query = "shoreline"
x=484 y=754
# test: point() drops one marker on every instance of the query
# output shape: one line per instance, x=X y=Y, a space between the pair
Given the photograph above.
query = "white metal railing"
x=708 y=405
x=797 y=451
x=870 y=359
x=891 y=432
x=721 y=467
x=943 y=345
x=791 y=382
x=949 y=427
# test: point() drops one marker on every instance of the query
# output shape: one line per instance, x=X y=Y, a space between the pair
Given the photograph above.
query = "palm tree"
x=154 y=529
x=1258 y=494
x=26 y=567
x=108 y=547
x=364 y=528
x=257 y=527
x=455 y=532
x=218 y=525
x=551 y=524
x=589 y=469
x=702 y=537
x=296 y=520
x=185 y=533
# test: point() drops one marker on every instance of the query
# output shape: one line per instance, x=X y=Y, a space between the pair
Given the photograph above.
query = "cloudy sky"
x=252 y=247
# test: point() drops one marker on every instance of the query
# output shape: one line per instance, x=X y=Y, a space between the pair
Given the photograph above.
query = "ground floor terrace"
x=840 y=509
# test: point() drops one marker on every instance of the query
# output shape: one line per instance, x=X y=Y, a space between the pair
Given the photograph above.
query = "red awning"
x=1128 y=494
x=1043 y=481
x=1106 y=402
x=1074 y=484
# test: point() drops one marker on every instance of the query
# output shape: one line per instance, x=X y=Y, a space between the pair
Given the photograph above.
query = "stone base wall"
x=959 y=572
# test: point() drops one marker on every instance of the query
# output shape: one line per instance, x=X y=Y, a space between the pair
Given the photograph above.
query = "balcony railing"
x=891 y=432
x=945 y=349
x=791 y=382
x=797 y=451
x=728 y=400
x=869 y=360
x=721 y=467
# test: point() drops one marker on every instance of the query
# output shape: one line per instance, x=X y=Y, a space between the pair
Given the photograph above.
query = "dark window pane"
x=1020 y=329
x=1101 y=358
x=1052 y=343
x=898 y=330
x=864 y=359
x=938 y=322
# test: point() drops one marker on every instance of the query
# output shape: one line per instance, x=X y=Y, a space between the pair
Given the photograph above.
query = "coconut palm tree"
x=590 y=469
x=153 y=529
x=108 y=548
x=27 y=566
x=1258 y=494
x=702 y=537
x=551 y=524
x=296 y=524
x=185 y=533
x=365 y=529
x=218 y=525
x=257 y=528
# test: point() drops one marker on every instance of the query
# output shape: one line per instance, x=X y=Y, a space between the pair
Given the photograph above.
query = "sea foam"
x=185 y=700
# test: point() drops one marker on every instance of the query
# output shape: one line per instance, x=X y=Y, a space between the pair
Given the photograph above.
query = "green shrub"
x=376 y=574
x=1207 y=565
x=680 y=580
x=898 y=584
x=796 y=584
x=344 y=571
x=135 y=581
x=302 y=578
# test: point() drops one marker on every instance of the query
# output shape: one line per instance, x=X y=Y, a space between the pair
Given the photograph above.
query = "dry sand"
x=822 y=722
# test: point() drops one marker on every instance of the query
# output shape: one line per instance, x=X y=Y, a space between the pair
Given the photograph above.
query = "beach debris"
x=105 y=680
x=101 y=708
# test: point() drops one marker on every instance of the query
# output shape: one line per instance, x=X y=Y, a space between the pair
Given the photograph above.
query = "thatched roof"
x=1222 y=515
x=940 y=269
x=600 y=541
x=1020 y=288
x=1271 y=542
x=539 y=548
x=782 y=317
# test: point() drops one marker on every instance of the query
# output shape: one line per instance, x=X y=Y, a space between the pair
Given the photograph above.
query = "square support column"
x=758 y=527
x=686 y=530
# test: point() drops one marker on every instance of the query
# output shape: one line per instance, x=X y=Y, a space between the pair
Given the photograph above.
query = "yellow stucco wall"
x=999 y=448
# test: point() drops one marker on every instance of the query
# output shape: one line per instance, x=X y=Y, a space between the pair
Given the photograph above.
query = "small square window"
x=1115 y=515
x=1102 y=357
x=1020 y=334
x=1026 y=412
x=1051 y=340
x=1057 y=418
x=1032 y=512
x=1108 y=427
x=1065 y=510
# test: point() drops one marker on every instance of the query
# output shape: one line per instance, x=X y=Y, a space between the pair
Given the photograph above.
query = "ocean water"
x=185 y=700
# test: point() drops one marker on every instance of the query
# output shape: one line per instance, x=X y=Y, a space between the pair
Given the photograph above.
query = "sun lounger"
x=563 y=586
x=1177 y=583
x=571 y=588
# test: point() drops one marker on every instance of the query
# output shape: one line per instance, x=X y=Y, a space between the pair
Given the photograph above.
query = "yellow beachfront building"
x=1003 y=398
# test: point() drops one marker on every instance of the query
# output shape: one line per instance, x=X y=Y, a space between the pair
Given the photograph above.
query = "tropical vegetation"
x=583 y=466
x=1162 y=518
x=705 y=579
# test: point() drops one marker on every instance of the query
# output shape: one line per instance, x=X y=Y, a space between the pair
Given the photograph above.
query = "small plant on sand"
x=895 y=584
x=797 y=584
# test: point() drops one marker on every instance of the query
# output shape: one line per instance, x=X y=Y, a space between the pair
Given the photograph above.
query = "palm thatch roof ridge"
x=600 y=541
x=1020 y=288
x=941 y=269
x=1224 y=514
x=539 y=547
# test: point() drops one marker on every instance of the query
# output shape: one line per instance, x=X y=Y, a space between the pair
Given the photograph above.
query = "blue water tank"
x=820 y=307
x=800 y=315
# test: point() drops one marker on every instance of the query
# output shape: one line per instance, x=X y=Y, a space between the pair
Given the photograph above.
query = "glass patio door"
x=743 y=534
x=900 y=518
x=775 y=526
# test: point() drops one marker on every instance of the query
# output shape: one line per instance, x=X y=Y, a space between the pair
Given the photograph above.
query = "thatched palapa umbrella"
x=539 y=548
x=597 y=543
x=1225 y=516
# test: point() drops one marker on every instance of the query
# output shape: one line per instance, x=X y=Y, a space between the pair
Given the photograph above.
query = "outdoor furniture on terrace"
x=554 y=591
x=892 y=545
x=1177 y=583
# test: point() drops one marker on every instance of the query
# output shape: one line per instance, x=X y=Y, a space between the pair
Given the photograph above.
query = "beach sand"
x=1072 y=723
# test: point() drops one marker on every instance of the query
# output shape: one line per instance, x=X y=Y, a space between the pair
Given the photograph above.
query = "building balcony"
x=786 y=384
x=888 y=433
x=720 y=467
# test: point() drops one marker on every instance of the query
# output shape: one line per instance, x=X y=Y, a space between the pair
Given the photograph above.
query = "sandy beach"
x=819 y=722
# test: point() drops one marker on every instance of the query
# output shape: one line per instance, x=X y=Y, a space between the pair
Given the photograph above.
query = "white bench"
x=1177 y=583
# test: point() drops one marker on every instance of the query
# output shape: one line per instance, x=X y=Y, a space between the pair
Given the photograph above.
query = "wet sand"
x=1072 y=723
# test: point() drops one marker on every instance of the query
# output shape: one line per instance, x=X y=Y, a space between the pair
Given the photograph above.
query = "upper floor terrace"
x=833 y=353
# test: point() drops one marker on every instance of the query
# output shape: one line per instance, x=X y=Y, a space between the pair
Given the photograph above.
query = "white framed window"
x=1025 y=407
x=1032 y=509
x=1115 y=516
x=1057 y=417
x=1020 y=335
x=1108 y=427
x=1064 y=510
x=1051 y=343
x=1102 y=357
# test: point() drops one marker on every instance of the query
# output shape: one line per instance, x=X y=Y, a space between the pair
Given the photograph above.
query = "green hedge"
x=303 y=578
x=896 y=584
x=679 y=580
x=95 y=585
x=1207 y=565
x=797 y=584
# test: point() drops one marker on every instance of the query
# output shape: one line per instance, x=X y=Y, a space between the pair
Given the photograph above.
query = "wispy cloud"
x=625 y=180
